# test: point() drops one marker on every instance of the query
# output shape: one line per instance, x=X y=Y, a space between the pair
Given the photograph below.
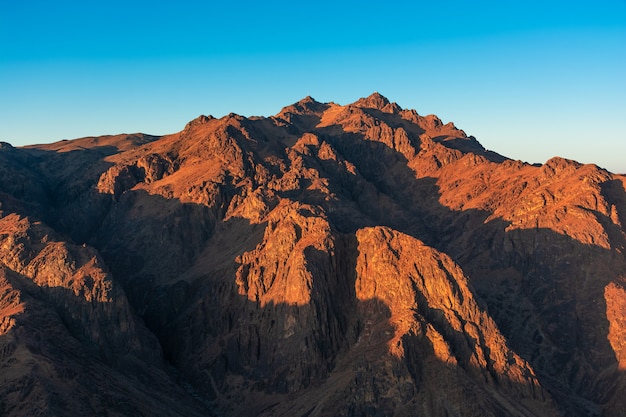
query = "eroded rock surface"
x=326 y=261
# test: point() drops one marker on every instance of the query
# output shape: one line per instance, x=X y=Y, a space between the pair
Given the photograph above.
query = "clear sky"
x=529 y=79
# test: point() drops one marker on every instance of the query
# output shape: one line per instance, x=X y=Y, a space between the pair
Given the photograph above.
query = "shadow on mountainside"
x=545 y=290
x=532 y=297
x=332 y=350
x=552 y=312
x=67 y=354
x=64 y=354
x=67 y=198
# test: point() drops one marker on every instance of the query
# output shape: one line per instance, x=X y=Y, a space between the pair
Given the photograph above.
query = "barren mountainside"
x=331 y=260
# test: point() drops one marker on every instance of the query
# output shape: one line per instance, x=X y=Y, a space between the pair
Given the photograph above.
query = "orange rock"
x=328 y=260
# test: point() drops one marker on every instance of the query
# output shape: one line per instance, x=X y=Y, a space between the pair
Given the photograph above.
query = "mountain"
x=357 y=260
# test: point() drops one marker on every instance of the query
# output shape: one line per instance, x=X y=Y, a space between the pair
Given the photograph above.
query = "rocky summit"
x=331 y=260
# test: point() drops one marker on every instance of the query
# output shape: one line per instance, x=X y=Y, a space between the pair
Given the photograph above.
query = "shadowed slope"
x=354 y=260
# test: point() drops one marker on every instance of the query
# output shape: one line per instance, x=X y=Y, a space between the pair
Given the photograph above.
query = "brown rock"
x=329 y=260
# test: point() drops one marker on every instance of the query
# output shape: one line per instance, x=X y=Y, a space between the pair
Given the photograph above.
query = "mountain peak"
x=308 y=99
x=304 y=106
x=373 y=101
x=379 y=102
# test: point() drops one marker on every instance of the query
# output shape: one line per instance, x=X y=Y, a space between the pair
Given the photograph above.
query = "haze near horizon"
x=529 y=80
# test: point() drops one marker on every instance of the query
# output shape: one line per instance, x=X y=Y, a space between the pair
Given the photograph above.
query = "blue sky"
x=529 y=79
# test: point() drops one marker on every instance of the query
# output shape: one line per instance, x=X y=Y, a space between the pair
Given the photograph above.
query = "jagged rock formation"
x=329 y=260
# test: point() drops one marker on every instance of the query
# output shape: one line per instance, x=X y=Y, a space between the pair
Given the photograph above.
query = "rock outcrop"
x=326 y=261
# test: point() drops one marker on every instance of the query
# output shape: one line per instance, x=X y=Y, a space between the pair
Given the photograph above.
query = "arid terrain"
x=331 y=260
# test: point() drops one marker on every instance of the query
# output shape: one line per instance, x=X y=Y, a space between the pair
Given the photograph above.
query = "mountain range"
x=331 y=260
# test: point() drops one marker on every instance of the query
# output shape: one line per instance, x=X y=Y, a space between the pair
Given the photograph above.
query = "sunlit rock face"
x=326 y=261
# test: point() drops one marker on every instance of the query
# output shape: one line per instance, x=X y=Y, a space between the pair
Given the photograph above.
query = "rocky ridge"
x=328 y=260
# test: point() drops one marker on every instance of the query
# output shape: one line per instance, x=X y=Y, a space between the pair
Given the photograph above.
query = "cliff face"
x=329 y=260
